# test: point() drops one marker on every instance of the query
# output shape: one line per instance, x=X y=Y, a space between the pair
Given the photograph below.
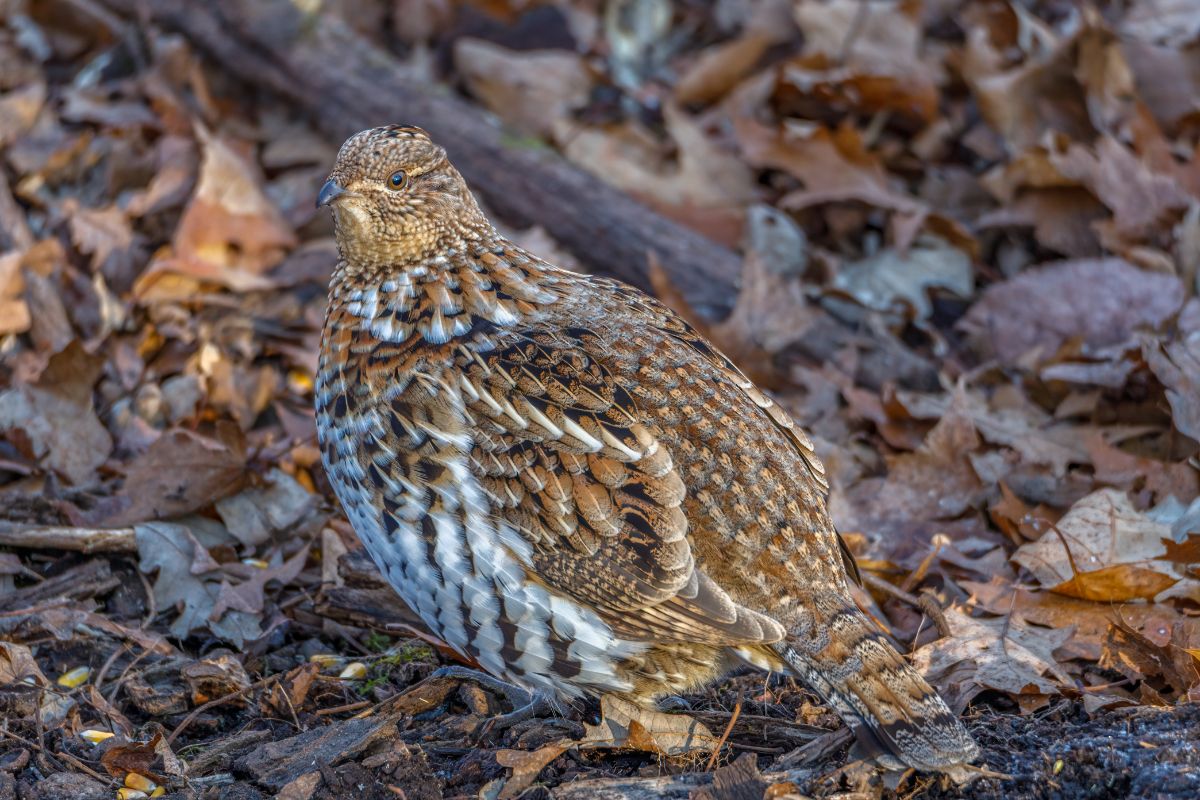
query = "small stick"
x=211 y=703
x=83 y=540
x=120 y=651
x=873 y=581
x=325 y=712
x=712 y=760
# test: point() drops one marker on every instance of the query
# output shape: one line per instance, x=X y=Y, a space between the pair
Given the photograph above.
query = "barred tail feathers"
x=895 y=714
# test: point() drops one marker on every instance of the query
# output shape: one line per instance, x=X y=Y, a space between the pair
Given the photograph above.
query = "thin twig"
x=112 y=693
x=325 y=712
x=873 y=581
x=120 y=651
x=712 y=760
x=190 y=718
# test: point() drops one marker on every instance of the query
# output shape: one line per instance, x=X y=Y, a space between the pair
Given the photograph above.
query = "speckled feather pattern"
x=568 y=483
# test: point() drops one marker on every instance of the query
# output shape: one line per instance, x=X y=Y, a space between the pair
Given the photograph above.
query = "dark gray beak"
x=329 y=192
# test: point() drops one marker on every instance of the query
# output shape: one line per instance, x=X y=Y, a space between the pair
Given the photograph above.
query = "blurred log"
x=345 y=84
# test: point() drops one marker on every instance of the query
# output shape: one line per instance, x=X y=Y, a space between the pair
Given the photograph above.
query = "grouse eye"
x=398 y=179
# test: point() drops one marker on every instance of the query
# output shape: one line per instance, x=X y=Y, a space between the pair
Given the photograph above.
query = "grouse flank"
x=567 y=482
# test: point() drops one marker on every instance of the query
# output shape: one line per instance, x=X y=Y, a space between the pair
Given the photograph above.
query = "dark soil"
x=1063 y=755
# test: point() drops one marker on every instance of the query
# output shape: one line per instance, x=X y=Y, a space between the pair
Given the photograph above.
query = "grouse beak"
x=331 y=191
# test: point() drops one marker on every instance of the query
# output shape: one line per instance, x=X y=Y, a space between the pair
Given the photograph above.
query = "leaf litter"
x=1001 y=198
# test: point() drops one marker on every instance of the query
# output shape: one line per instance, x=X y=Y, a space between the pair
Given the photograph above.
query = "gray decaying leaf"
x=1100 y=301
x=188 y=579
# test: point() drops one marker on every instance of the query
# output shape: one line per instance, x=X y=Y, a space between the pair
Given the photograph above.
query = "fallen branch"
x=81 y=540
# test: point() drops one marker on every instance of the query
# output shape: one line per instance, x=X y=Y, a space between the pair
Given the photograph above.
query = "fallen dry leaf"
x=530 y=90
x=54 y=417
x=1001 y=654
x=17 y=666
x=19 y=109
x=181 y=472
x=100 y=232
x=1177 y=364
x=1039 y=93
x=719 y=68
x=527 y=765
x=153 y=758
x=1142 y=202
x=189 y=580
x=289 y=693
x=701 y=175
x=1088 y=620
x=254 y=515
x=230 y=233
x=14 y=312
x=881 y=45
x=216 y=675
x=1115 y=553
x=833 y=166
x=1175 y=23
x=1137 y=657
x=1100 y=301
x=626 y=724
x=896 y=281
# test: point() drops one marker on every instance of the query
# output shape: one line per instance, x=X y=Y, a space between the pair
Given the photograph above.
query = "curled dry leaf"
x=1138 y=657
x=527 y=765
x=626 y=724
x=18 y=667
x=289 y=693
x=719 y=68
x=153 y=758
x=230 y=233
x=215 y=676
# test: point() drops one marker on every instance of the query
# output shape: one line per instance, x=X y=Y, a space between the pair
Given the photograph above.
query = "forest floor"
x=963 y=251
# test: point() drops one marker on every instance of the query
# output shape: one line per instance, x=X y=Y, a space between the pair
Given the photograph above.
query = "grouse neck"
x=468 y=289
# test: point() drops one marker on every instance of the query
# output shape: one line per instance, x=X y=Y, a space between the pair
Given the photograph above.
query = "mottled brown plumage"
x=567 y=482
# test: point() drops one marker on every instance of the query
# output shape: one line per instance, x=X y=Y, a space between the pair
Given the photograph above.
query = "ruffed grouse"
x=567 y=482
